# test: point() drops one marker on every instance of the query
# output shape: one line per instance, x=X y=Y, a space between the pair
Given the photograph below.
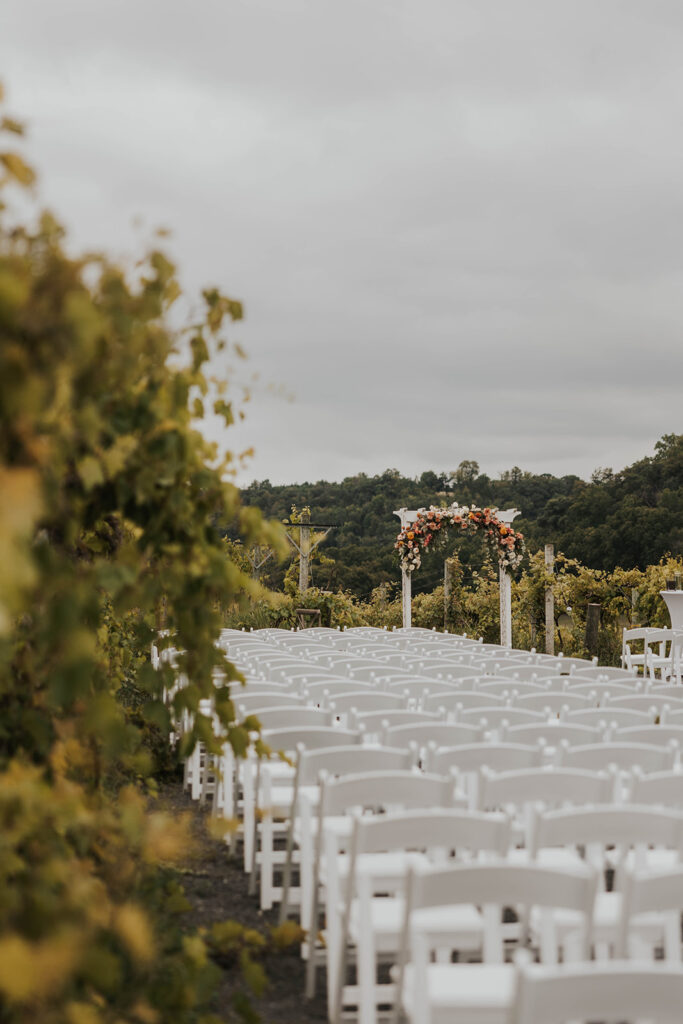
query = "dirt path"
x=216 y=887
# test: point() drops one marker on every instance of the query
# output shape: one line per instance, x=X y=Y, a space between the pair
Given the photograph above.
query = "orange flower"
x=410 y=535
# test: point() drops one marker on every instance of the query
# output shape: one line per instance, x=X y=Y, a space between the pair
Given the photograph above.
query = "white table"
x=674 y=602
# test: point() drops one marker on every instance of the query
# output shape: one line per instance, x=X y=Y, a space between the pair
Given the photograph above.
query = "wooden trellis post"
x=447 y=567
x=549 y=602
x=306 y=547
x=257 y=560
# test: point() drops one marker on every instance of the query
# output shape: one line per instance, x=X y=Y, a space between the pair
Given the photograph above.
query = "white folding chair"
x=372 y=909
x=464 y=992
x=281 y=741
x=377 y=791
x=334 y=761
x=621 y=990
x=630 y=659
x=629 y=831
x=659 y=659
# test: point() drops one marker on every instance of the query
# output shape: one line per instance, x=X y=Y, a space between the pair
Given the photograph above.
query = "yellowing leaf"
x=133 y=928
x=90 y=472
x=17 y=168
x=82 y=1013
x=16 y=968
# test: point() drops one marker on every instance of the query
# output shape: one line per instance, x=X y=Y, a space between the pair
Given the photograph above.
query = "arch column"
x=406 y=516
x=505 y=586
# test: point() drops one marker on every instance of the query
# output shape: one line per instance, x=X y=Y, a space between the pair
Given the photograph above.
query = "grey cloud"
x=455 y=225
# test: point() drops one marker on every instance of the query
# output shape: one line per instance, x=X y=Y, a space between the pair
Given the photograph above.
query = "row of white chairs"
x=456 y=757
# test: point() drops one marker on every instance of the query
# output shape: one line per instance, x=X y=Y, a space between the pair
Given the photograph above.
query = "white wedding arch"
x=420 y=526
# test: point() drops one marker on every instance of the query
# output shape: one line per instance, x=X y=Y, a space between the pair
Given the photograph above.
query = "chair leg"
x=254 y=845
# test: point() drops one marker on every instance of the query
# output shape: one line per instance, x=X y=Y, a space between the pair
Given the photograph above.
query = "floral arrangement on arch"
x=507 y=544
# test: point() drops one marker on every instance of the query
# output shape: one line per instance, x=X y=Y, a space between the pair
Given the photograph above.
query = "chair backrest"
x=509 y=688
x=349 y=760
x=288 y=716
x=552 y=733
x=418 y=689
x=494 y=665
x=620 y=990
x=261 y=686
x=603 y=672
x=379 y=790
x=626 y=756
x=488 y=717
x=551 y=787
x=611 y=715
x=565 y=666
x=668 y=691
x=287 y=740
x=609 y=825
x=443 y=734
x=436 y=828
x=449 y=670
x=363 y=700
x=487 y=885
x=643 y=702
x=655 y=734
x=452 y=699
x=372 y=722
x=601 y=690
x=252 y=703
x=325 y=689
x=470 y=757
x=528 y=672
x=554 y=702
x=663 y=789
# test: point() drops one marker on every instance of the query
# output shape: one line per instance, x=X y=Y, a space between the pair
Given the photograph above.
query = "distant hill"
x=631 y=518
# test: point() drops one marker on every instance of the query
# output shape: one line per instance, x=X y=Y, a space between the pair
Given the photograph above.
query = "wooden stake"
x=447 y=567
x=304 y=551
x=549 y=602
x=592 y=628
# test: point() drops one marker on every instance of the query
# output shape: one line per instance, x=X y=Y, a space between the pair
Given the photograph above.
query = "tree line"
x=628 y=519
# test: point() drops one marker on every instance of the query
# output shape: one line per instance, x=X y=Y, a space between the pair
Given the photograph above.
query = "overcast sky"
x=456 y=226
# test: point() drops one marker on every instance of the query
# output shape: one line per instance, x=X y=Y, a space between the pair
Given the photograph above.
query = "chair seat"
x=464 y=993
x=280 y=803
x=385 y=868
x=461 y=927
